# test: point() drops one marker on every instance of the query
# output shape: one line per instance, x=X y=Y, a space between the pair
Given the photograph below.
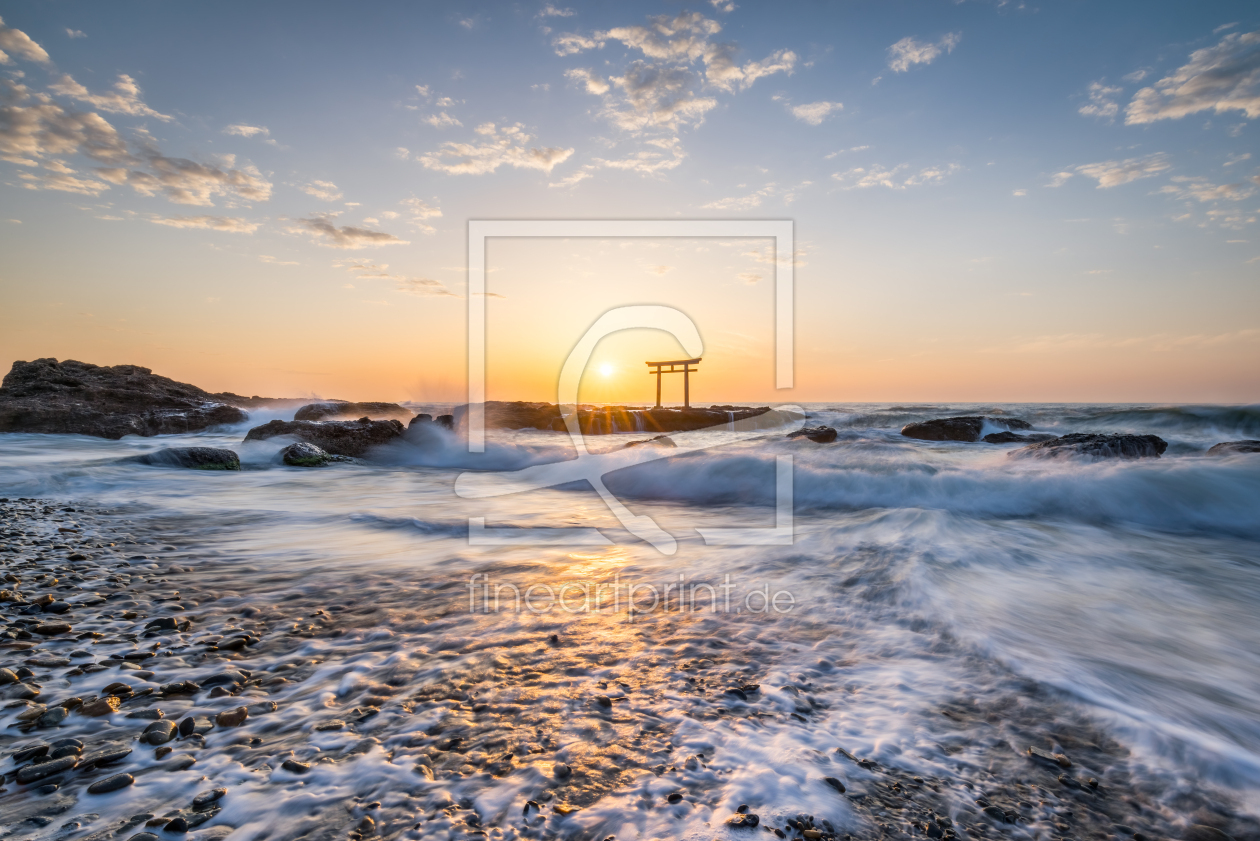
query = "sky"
x=992 y=201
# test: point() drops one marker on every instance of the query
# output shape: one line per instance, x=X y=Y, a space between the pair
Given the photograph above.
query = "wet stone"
x=114 y=783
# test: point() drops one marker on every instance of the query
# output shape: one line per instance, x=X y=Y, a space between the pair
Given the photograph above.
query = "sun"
x=606 y=370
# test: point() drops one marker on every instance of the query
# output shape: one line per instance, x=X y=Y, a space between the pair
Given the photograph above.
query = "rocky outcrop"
x=1009 y=437
x=302 y=454
x=444 y=421
x=341 y=410
x=958 y=429
x=194 y=458
x=72 y=397
x=658 y=441
x=1095 y=446
x=817 y=434
x=605 y=420
x=1231 y=448
x=340 y=438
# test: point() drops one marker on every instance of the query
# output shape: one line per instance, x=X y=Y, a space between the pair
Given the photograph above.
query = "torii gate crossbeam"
x=685 y=370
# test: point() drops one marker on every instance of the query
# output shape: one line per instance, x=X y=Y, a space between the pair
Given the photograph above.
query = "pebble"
x=834 y=783
x=295 y=767
x=102 y=706
x=232 y=718
x=159 y=732
x=748 y=820
x=31 y=773
x=109 y=784
x=203 y=800
x=53 y=717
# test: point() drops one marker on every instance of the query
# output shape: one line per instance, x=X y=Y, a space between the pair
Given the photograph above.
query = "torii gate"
x=685 y=370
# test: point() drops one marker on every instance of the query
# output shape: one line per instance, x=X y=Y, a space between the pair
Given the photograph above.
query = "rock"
x=1231 y=448
x=193 y=458
x=109 y=784
x=152 y=713
x=205 y=799
x=232 y=718
x=159 y=732
x=958 y=429
x=30 y=773
x=7 y=677
x=817 y=434
x=53 y=717
x=303 y=454
x=72 y=397
x=164 y=623
x=57 y=607
x=195 y=725
x=658 y=441
x=747 y=820
x=562 y=771
x=144 y=836
x=610 y=419
x=834 y=783
x=186 y=687
x=108 y=756
x=32 y=752
x=1096 y=446
x=341 y=410
x=50 y=629
x=1011 y=438
x=295 y=767
x=102 y=706
x=604 y=701
x=1046 y=756
x=177 y=825
x=343 y=438
x=330 y=724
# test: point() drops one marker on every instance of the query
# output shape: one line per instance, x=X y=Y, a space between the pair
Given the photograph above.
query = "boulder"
x=1232 y=448
x=342 y=438
x=193 y=458
x=817 y=434
x=658 y=441
x=342 y=410
x=303 y=454
x=1009 y=437
x=1093 y=445
x=70 y=397
x=958 y=429
x=422 y=418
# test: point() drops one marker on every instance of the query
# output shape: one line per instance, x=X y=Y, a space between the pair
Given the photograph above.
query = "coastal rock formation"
x=1231 y=448
x=341 y=438
x=1093 y=445
x=72 y=397
x=444 y=421
x=1009 y=437
x=341 y=410
x=195 y=458
x=604 y=420
x=958 y=429
x=302 y=454
x=817 y=434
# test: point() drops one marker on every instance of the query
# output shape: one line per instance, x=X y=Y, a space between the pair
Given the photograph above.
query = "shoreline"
x=410 y=717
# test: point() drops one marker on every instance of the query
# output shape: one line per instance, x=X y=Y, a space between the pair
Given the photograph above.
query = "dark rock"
x=658 y=441
x=295 y=767
x=31 y=773
x=817 y=434
x=445 y=421
x=958 y=429
x=186 y=687
x=107 y=756
x=302 y=454
x=50 y=629
x=1012 y=438
x=178 y=825
x=109 y=784
x=610 y=419
x=1091 y=445
x=834 y=783
x=32 y=752
x=747 y=820
x=165 y=623
x=102 y=706
x=232 y=718
x=342 y=410
x=72 y=397
x=562 y=771
x=56 y=607
x=193 y=458
x=343 y=438
x=1230 y=448
x=144 y=836
x=159 y=732
x=206 y=799
x=422 y=418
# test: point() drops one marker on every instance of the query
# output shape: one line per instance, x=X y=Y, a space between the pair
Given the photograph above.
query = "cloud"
x=908 y=52
x=1200 y=189
x=550 y=11
x=1155 y=342
x=726 y=6
x=1114 y=173
x=1137 y=75
x=770 y=258
x=351 y=238
x=442 y=120
x=15 y=42
x=75 y=33
x=35 y=127
x=1101 y=101
x=649 y=161
x=213 y=223
x=182 y=181
x=1060 y=178
x=814 y=113
x=424 y=286
x=661 y=90
x=1224 y=77
x=842 y=151
x=659 y=271
x=572 y=179
x=64 y=181
x=247 y=131
x=747 y=202
x=898 y=178
x=749 y=277
x=504 y=146
x=1019 y=192
x=322 y=190
x=267 y=258
x=418 y=213
x=123 y=99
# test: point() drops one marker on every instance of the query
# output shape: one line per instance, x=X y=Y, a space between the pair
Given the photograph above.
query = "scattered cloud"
x=725 y=6
x=123 y=99
x=442 y=120
x=267 y=258
x=247 y=131
x=749 y=277
x=322 y=190
x=550 y=11
x=898 y=178
x=182 y=181
x=1102 y=101
x=659 y=271
x=1224 y=77
x=908 y=52
x=75 y=33
x=649 y=161
x=1202 y=190
x=424 y=286
x=504 y=146
x=15 y=42
x=1114 y=173
x=323 y=231
x=1234 y=159
x=63 y=181
x=1060 y=178
x=747 y=202
x=1137 y=75
x=572 y=179
x=213 y=223
x=1019 y=192
x=589 y=80
x=418 y=214
x=843 y=151
x=814 y=113
x=1218 y=30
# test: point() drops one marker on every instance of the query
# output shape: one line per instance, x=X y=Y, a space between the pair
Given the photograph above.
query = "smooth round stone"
x=109 y=784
